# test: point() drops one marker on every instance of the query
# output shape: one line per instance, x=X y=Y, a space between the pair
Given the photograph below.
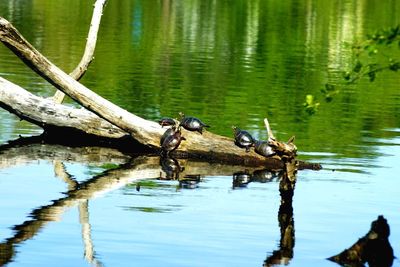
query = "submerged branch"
x=373 y=248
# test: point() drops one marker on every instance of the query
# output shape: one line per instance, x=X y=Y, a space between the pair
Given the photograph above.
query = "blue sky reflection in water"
x=227 y=63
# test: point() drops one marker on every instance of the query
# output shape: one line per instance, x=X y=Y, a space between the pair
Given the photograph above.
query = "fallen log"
x=52 y=116
x=207 y=146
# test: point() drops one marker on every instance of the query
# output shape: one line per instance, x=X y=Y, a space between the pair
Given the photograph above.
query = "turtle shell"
x=172 y=141
x=167 y=133
x=243 y=138
x=263 y=148
x=166 y=121
x=193 y=124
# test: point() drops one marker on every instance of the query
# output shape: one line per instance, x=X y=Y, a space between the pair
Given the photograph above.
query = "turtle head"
x=235 y=129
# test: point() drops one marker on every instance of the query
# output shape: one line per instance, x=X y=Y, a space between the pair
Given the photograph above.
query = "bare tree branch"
x=87 y=57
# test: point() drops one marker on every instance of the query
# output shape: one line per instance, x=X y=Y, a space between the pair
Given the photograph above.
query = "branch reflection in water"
x=25 y=150
x=240 y=179
x=187 y=173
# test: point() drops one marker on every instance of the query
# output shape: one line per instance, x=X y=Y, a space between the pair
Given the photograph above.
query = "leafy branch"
x=370 y=59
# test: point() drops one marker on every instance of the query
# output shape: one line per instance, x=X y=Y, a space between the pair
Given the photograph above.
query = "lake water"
x=228 y=63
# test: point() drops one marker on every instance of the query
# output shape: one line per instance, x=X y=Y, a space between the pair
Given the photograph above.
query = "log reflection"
x=78 y=195
x=187 y=172
x=284 y=253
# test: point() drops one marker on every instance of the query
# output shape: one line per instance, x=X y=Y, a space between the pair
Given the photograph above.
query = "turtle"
x=171 y=140
x=263 y=148
x=192 y=123
x=165 y=121
x=243 y=138
x=167 y=133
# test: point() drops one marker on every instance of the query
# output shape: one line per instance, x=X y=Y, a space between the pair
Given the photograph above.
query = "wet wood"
x=374 y=248
x=88 y=55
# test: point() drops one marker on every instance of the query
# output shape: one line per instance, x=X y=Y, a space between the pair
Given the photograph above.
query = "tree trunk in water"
x=207 y=146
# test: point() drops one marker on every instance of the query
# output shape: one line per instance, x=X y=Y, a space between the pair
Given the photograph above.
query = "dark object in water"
x=190 y=181
x=243 y=138
x=374 y=248
x=263 y=148
x=241 y=179
x=263 y=176
x=167 y=122
x=171 y=167
x=192 y=124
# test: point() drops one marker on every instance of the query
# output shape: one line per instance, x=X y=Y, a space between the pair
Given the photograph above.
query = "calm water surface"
x=227 y=63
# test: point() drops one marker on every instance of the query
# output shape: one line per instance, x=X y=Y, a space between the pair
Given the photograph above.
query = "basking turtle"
x=263 y=148
x=171 y=141
x=192 y=123
x=165 y=121
x=243 y=138
x=167 y=133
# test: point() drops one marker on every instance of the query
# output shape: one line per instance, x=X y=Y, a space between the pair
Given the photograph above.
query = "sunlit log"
x=207 y=146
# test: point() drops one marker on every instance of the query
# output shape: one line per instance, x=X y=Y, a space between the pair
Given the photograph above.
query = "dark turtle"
x=166 y=122
x=167 y=133
x=243 y=138
x=192 y=123
x=263 y=148
x=171 y=141
x=241 y=179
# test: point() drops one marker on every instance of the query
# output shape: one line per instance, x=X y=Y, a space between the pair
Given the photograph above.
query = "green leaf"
x=311 y=106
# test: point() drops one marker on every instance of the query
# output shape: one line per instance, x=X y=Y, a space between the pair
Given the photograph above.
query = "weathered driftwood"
x=207 y=146
x=374 y=248
x=28 y=150
x=87 y=57
x=49 y=115
x=144 y=131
